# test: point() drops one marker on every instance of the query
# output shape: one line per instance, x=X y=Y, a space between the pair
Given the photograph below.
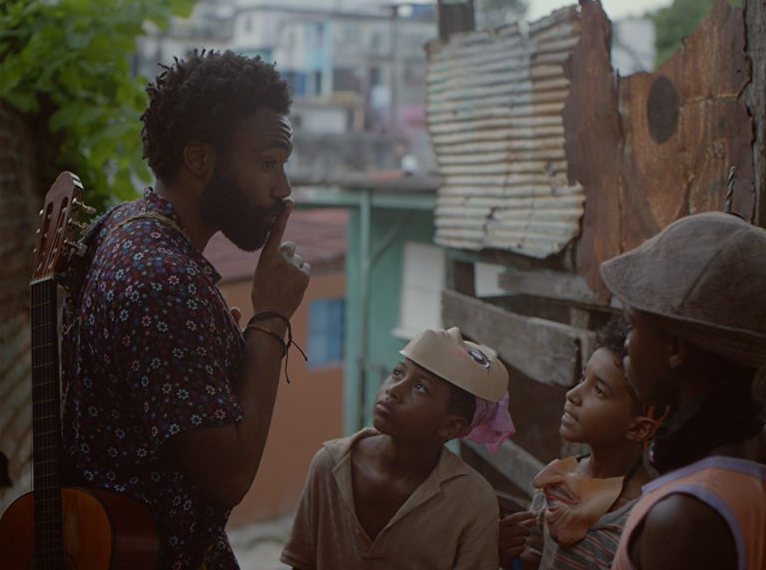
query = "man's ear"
x=454 y=426
x=199 y=160
x=641 y=429
x=678 y=352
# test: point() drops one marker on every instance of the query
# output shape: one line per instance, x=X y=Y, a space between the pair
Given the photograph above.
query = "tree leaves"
x=677 y=21
x=67 y=63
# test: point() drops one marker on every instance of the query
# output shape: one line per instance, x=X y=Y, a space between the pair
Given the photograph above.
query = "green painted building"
x=394 y=275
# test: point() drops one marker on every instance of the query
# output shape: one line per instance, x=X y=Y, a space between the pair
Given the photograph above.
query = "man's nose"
x=283 y=187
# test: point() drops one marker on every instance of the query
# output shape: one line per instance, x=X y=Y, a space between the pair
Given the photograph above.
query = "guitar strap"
x=81 y=259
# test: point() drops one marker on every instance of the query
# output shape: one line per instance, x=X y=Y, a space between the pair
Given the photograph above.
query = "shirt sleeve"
x=478 y=548
x=299 y=550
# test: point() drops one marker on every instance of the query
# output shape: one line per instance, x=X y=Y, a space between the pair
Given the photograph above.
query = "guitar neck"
x=46 y=426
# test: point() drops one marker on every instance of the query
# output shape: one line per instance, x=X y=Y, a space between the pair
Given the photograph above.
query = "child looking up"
x=583 y=502
x=393 y=496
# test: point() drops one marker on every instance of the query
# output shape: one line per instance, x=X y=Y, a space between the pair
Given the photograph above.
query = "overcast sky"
x=615 y=9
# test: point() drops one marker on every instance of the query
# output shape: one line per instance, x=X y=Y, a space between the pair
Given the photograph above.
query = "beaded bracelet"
x=251 y=324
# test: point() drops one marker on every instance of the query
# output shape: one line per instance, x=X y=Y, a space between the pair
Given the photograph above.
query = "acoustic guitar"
x=55 y=527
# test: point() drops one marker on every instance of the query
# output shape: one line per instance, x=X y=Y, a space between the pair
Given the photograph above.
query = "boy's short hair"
x=204 y=98
x=612 y=336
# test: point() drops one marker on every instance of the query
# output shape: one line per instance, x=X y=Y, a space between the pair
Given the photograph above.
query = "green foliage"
x=677 y=21
x=66 y=64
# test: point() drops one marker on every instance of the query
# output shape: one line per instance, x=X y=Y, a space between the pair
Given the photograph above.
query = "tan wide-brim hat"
x=704 y=279
x=470 y=366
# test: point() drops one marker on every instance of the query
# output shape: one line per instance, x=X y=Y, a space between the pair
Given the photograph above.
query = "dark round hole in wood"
x=662 y=109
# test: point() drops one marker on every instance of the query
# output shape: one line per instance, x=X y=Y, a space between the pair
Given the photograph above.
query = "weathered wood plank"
x=542 y=350
x=755 y=97
x=553 y=284
x=513 y=462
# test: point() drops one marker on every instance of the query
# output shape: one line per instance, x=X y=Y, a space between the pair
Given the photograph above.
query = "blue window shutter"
x=326 y=332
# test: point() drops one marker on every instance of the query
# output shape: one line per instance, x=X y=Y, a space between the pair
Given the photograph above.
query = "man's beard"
x=226 y=206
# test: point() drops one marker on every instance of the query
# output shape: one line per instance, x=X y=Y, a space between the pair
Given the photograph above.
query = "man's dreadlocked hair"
x=205 y=98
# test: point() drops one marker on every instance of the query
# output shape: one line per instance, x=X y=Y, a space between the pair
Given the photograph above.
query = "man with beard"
x=165 y=399
x=694 y=297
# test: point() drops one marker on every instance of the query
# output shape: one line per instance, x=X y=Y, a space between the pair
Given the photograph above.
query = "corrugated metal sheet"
x=494 y=111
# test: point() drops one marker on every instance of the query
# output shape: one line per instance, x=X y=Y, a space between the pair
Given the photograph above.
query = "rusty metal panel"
x=494 y=105
x=685 y=125
x=653 y=147
x=594 y=144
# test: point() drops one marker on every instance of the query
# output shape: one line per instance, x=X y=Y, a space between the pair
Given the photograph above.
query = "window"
x=326 y=332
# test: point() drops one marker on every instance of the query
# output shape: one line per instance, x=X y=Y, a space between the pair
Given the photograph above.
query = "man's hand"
x=281 y=276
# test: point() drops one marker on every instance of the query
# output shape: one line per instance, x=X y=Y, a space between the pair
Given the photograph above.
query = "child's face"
x=599 y=410
x=412 y=403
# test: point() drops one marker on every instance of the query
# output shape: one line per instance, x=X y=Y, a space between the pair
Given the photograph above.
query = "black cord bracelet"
x=285 y=345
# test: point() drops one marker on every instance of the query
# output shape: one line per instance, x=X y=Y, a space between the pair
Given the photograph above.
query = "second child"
x=582 y=503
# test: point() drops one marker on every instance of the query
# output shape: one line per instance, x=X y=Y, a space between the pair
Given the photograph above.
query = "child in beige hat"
x=394 y=496
x=695 y=296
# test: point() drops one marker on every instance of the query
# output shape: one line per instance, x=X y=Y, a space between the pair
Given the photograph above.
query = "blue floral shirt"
x=150 y=349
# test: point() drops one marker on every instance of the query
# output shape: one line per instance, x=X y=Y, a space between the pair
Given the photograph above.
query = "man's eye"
x=599 y=391
x=270 y=164
x=420 y=388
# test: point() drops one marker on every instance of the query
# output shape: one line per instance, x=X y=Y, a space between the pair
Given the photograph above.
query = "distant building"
x=352 y=69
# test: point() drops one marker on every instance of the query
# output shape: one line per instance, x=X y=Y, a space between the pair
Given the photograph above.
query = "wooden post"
x=454 y=17
x=755 y=98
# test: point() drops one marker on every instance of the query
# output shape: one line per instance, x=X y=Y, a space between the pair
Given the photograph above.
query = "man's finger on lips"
x=280 y=223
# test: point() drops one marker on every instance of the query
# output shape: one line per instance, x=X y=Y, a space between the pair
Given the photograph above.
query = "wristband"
x=251 y=324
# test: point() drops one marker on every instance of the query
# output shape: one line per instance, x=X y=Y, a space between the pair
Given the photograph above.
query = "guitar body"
x=56 y=527
x=102 y=530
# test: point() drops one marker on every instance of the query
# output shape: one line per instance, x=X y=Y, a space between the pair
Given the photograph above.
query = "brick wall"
x=20 y=198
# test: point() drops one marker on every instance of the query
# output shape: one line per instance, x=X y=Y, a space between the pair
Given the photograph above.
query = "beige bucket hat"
x=465 y=364
x=702 y=278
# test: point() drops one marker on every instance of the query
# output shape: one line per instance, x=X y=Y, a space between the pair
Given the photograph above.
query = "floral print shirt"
x=149 y=349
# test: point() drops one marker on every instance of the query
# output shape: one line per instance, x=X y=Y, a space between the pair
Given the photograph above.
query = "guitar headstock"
x=59 y=224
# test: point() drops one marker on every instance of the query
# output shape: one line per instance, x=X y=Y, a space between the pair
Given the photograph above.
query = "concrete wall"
x=19 y=202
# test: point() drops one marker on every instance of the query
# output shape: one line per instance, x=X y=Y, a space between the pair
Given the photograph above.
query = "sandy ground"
x=258 y=546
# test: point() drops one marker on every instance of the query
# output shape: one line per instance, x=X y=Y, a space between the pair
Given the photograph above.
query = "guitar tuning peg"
x=37 y=231
x=79 y=247
x=90 y=210
x=77 y=224
x=40 y=213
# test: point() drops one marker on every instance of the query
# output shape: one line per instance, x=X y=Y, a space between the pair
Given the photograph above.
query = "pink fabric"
x=492 y=423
